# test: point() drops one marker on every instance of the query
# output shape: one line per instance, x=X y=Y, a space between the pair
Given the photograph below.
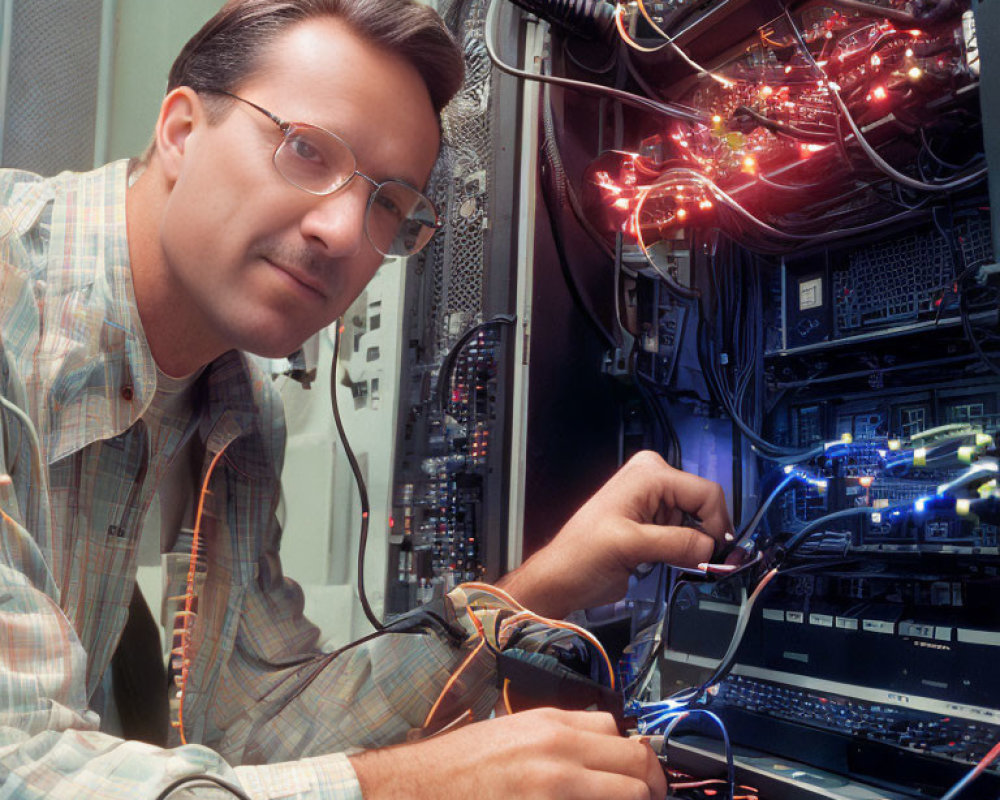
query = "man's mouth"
x=301 y=277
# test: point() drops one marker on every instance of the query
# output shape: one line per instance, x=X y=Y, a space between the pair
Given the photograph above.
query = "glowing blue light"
x=920 y=505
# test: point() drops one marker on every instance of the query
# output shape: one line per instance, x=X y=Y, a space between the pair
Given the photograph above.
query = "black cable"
x=793 y=544
x=550 y=149
x=784 y=128
x=717 y=391
x=597 y=70
x=448 y=364
x=963 y=310
x=966 y=273
x=173 y=786
x=358 y=478
x=894 y=14
x=637 y=101
x=565 y=265
x=873 y=155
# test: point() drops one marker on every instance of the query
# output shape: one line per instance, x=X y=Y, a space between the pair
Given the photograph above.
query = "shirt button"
x=126 y=393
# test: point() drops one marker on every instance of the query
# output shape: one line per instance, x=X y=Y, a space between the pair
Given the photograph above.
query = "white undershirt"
x=168 y=511
x=171 y=507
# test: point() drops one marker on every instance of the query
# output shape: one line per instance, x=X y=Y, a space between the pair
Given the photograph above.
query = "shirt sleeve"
x=272 y=704
x=50 y=744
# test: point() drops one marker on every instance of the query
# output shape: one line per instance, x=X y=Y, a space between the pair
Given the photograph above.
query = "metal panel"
x=51 y=81
x=988 y=32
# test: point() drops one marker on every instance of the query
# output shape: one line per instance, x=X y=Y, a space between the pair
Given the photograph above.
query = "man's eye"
x=305 y=150
x=389 y=205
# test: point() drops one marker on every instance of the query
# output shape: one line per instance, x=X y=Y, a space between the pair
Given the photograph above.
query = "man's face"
x=263 y=264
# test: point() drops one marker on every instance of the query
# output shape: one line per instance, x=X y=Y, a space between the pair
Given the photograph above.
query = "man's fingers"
x=683 y=547
x=619 y=768
x=702 y=499
x=672 y=492
x=590 y=785
x=596 y=722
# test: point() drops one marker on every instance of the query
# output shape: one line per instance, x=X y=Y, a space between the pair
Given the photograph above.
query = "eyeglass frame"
x=285 y=125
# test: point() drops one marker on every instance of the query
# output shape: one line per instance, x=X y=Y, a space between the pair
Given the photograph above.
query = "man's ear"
x=180 y=112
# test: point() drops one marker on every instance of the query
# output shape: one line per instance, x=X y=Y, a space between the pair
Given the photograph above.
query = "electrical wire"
x=726 y=662
x=448 y=364
x=669 y=40
x=730 y=765
x=452 y=679
x=762 y=509
x=634 y=100
x=992 y=365
x=173 y=786
x=972 y=774
x=188 y=614
x=550 y=148
x=619 y=13
x=871 y=152
x=720 y=395
x=358 y=479
x=559 y=185
x=784 y=128
x=673 y=177
x=582 y=632
x=894 y=14
x=793 y=544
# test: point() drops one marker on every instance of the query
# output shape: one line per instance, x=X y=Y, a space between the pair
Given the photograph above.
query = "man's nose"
x=336 y=223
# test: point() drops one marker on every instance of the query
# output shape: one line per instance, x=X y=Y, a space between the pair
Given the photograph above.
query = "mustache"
x=294 y=257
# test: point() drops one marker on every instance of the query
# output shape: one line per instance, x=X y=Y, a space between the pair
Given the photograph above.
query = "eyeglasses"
x=399 y=220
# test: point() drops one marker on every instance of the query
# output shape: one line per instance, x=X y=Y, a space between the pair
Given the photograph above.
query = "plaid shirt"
x=264 y=707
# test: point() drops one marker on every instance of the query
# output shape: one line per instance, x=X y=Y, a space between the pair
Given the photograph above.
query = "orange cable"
x=577 y=630
x=187 y=613
x=506 y=698
x=451 y=682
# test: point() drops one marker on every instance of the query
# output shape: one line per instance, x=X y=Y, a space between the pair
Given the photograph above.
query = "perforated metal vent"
x=458 y=258
x=49 y=119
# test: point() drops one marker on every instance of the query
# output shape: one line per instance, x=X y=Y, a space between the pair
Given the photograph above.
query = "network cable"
x=972 y=774
x=210 y=780
x=873 y=155
x=358 y=478
x=637 y=101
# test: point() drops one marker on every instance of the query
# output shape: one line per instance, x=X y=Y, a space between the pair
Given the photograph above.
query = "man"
x=282 y=169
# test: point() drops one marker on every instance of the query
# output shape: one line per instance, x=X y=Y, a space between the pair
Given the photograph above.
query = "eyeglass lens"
x=399 y=220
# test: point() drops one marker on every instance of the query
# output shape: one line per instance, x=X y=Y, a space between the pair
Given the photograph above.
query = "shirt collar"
x=104 y=376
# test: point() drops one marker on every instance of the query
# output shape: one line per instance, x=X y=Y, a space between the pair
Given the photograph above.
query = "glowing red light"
x=866 y=481
x=681 y=213
x=766 y=91
x=749 y=163
x=392 y=522
x=880 y=93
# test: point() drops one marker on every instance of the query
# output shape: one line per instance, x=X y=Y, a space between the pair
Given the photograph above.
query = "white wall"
x=149 y=35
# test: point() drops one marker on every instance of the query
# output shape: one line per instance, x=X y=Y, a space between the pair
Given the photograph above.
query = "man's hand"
x=544 y=753
x=636 y=517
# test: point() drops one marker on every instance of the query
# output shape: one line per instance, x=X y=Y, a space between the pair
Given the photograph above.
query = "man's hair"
x=228 y=48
